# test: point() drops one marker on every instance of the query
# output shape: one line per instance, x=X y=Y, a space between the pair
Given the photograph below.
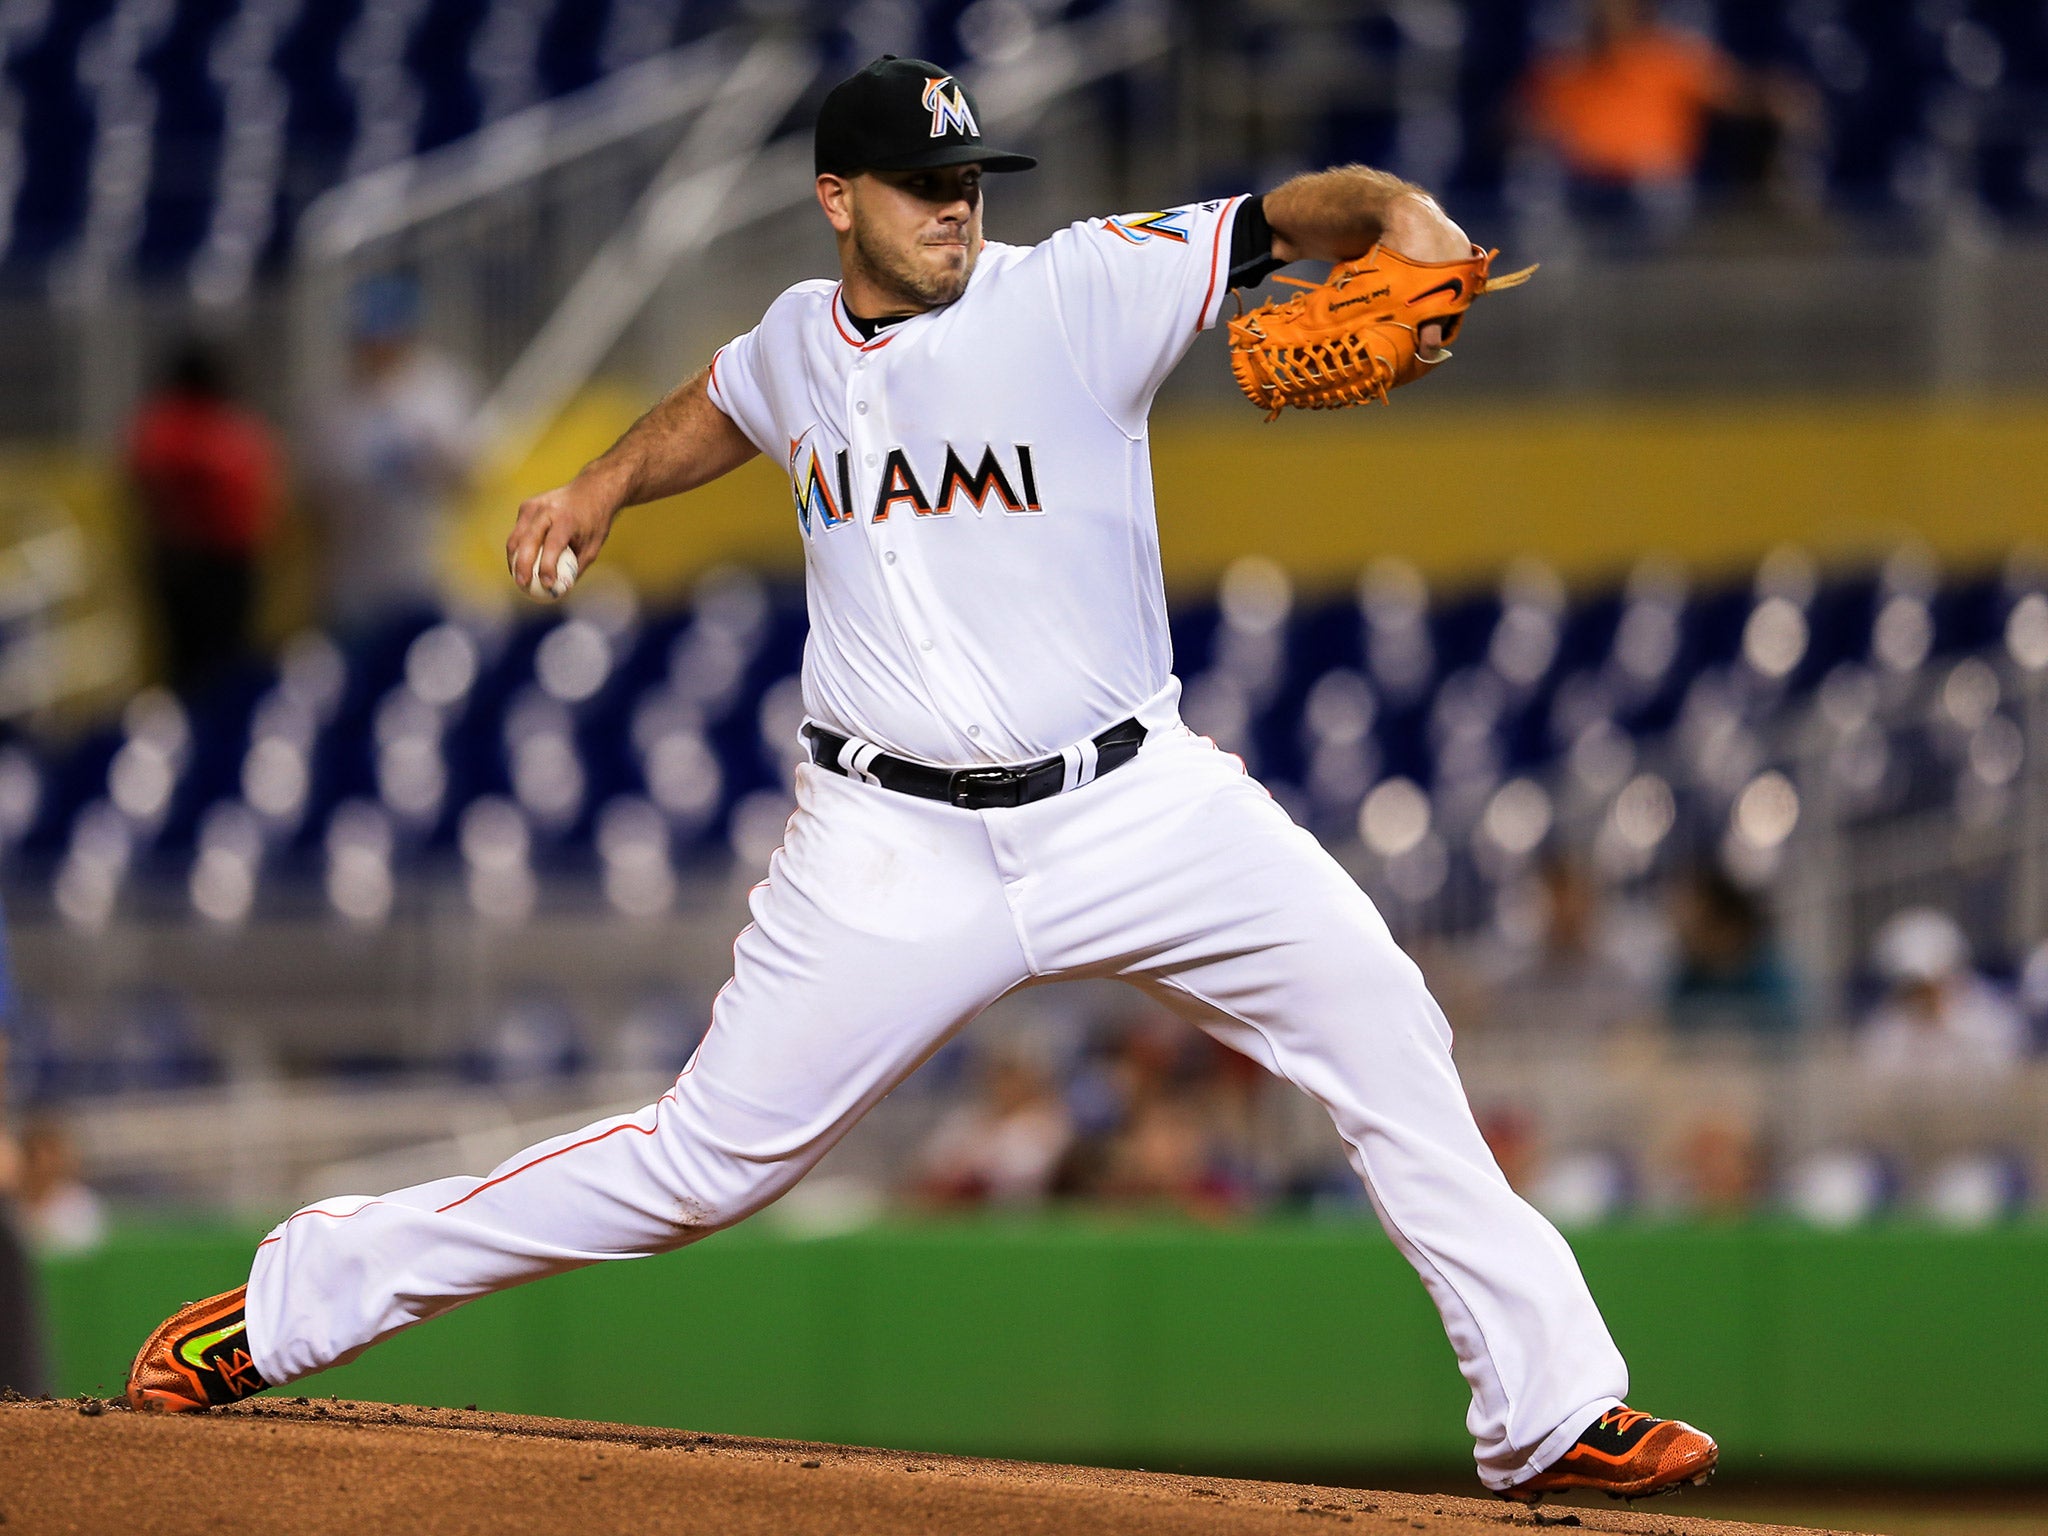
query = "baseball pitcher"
x=999 y=790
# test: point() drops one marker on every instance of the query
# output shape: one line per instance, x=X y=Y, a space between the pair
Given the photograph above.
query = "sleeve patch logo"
x=949 y=111
x=1139 y=228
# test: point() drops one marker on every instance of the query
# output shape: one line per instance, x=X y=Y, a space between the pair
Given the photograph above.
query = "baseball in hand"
x=565 y=578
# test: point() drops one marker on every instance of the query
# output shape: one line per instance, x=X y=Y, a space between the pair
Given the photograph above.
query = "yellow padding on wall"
x=1589 y=488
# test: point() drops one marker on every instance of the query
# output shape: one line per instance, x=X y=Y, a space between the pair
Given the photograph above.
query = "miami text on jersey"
x=824 y=496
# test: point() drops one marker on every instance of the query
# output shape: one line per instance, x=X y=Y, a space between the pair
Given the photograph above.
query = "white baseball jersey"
x=974 y=487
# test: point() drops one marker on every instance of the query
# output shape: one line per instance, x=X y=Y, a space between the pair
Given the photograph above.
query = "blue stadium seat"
x=438 y=57
x=1524 y=730
x=57 y=129
x=320 y=116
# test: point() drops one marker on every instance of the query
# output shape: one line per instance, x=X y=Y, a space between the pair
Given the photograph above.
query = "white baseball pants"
x=885 y=924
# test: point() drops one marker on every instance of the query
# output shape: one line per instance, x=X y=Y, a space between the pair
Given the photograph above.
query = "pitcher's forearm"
x=1337 y=214
x=682 y=442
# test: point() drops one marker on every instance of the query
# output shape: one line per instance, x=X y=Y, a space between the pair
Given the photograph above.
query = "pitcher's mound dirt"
x=291 y=1465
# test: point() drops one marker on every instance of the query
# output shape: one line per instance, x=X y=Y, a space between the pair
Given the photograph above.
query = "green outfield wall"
x=1900 y=1350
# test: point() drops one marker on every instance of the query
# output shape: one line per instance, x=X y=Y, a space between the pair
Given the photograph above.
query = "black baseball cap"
x=904 y=115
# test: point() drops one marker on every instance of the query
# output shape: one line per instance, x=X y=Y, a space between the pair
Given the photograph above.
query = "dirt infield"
x=296 y=1465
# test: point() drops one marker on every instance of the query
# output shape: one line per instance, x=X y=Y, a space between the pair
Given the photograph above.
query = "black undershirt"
x=870 y=329
x=1251 y=245
x=1251 y=263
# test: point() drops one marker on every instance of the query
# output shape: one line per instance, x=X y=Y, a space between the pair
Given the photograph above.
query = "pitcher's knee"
x=716 y=1192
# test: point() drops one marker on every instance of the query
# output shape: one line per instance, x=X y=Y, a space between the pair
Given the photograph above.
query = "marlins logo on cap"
x=904 y=115
x=949 y=111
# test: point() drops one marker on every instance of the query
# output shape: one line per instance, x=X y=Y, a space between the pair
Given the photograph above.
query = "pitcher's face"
x=915 y=234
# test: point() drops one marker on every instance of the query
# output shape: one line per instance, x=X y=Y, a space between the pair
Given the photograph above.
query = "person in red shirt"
x=1632 y=103
x=204 y=472
x=1633 y=108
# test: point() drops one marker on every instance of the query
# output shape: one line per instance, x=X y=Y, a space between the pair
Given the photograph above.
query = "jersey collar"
x=852 y=337
x=842 y=323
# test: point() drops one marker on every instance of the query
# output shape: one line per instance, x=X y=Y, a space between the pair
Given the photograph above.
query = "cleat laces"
x=1621 y=1419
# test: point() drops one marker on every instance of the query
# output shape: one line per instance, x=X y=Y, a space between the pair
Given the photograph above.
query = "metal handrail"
x=727 y=173
x=518 y=148
x=688 y=205
x=692 y=204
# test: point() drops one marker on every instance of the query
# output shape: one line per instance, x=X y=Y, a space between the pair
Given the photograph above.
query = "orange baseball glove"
x=1350 y=339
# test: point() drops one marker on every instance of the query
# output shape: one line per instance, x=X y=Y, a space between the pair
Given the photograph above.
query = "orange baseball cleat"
x=1626 y=1455
x=198 y=1358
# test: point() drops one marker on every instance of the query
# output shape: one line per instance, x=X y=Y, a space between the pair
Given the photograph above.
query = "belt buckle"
x=965 y=781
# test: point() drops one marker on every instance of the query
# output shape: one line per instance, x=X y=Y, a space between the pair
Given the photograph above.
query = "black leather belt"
x=973 y=789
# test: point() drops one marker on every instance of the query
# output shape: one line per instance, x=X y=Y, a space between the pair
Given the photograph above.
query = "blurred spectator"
x=1939 y=1017
x=59 y=1212
x=1720 y=1167
x=1002 y=1147
x=1631 y=110
x=394 y=453
x=1840 y=1186
x=1160 y=1156
x=1583 y=1188
x=21 y=1356
x=657 y=1036
x=1513 y=1139
x=533 y=1041
x=1976 y=1189
x=1729 y=980
x=1129 y=1062
x=2034 y=994
x=204 y=473
x=1566 y=986
x=1167 y=1117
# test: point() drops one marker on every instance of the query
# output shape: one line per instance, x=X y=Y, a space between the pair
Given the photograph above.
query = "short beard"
x=908 y=281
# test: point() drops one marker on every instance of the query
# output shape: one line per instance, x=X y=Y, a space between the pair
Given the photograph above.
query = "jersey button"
x=974 y=731
x=872 y=461
x=924 y=645
x=860 y=407
x=890 y=557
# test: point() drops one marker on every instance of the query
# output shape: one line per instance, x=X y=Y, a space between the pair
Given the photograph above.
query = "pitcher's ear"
x=835 y=196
